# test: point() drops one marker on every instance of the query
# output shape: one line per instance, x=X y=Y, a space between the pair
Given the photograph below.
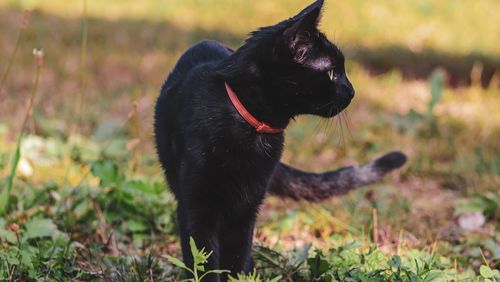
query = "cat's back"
x=204 y=52
x=188 y=73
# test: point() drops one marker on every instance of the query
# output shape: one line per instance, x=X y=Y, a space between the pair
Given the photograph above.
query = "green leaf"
x=83 y=150
x=275 y=279
x=136 y=225
x=199 y=267
x=395 y=262
x=4 y=197
x=139 y=239
x=493 y=247
x=13 y=260
x=433 y=275
x=490 y=206
x=479 y=203
x=6 y=234
x=27 y=256
x=219 y=271
x=176 y=262
x=40 y=227
x=350 y=246
x=318 y=265
x=436 y=82
x=117 y=149
x=107 y=171
x=194 y=249
x=301 y=256
x=82 y=208
x=11 y=237
x=486 y=271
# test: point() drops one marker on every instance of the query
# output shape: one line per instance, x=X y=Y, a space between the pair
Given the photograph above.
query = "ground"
x=88 y=199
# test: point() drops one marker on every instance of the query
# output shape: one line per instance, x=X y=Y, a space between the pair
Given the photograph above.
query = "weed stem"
x=24 y=25
x=83 y=65
x=4 y=196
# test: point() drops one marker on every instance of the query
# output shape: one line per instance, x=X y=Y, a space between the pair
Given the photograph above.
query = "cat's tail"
x=289 y=182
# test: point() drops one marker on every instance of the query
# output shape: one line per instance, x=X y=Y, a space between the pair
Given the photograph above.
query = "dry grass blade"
x=83 y=66
x=4 y=197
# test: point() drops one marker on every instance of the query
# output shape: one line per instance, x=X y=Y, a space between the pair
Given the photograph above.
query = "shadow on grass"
x=125 y=55
x=419 y=65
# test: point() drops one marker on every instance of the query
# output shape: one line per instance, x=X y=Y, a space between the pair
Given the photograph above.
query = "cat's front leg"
x=236 y=234
x=201 y=225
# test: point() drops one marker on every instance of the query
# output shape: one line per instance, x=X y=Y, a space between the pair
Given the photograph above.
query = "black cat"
x=219 y=132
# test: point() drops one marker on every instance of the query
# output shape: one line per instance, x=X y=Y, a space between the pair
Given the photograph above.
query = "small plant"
x=488 y=274
x=4 y=196
x=87 y=214
x=200 y=257
x=288 y=267
x=425 y=122
x=252 y=277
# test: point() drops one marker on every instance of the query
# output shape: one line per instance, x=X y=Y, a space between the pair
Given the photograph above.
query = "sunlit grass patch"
x=95 y=206
x=130 y=219
x=464 y=27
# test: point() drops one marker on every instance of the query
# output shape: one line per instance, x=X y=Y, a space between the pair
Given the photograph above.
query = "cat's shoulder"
x=196 y=62
x=206 y=51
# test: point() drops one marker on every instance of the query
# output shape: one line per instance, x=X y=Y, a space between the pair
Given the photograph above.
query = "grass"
x=91 y=204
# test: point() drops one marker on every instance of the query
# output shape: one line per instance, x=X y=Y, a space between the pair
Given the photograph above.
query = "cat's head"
x=305 y=68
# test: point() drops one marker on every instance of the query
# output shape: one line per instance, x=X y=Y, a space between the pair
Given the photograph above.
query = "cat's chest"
x=253 y=154
x=264 y=147
x=243 y=168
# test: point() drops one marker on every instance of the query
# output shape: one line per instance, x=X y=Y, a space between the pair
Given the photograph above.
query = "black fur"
x=289 y=182
x=217 y=165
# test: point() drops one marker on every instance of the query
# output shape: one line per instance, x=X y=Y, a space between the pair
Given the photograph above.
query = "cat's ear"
x=298 y=34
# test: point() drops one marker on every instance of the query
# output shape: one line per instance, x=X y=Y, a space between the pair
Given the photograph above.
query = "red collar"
x=259 y=126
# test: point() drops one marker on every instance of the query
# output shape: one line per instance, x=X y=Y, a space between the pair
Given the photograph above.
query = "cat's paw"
x=390 y=161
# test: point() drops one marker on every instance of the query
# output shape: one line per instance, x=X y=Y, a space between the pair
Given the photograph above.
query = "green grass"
x=88 y=201
x=443 y=25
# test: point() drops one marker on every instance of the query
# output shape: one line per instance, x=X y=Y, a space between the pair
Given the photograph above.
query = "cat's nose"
x=346 y=86
x=349 y=90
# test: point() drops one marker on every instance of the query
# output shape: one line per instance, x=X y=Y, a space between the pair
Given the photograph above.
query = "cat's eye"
x=330 y=74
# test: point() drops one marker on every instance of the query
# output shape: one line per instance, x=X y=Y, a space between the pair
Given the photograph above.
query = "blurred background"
x=88 y=190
